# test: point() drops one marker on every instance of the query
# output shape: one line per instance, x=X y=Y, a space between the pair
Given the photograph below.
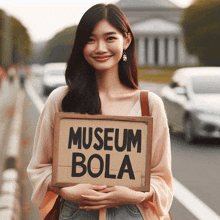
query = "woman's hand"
x=74 y=193
x=112 y=197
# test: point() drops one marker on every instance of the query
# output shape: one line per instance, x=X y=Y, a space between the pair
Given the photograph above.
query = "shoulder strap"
x=144 y=103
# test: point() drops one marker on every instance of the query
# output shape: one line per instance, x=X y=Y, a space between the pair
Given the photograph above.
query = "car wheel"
x=189 y=131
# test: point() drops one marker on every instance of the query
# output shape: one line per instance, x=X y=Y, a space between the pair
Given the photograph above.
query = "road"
x=194 y=166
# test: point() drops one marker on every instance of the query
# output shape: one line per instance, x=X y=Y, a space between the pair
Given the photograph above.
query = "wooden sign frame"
x=144 y=165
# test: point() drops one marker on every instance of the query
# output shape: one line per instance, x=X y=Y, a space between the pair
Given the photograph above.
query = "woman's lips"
x=102 y=59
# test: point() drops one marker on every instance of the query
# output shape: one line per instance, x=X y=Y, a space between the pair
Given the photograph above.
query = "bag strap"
x=144 y=103
x=145 y=111
x=55 y=211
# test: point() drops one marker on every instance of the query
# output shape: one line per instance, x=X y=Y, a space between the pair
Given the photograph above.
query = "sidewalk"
x=7 y=101
x=16 y=140
x=9 y=193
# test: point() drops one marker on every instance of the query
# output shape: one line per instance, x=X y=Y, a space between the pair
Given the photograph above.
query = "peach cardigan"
x=40 y=167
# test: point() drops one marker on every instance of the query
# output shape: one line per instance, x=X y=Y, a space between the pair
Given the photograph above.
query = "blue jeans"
x=70 y=211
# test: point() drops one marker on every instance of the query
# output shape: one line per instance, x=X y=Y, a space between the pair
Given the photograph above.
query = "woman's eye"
x=111 y=38
x=91 y=40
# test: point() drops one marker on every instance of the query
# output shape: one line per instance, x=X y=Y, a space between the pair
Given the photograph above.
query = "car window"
x=206 y=84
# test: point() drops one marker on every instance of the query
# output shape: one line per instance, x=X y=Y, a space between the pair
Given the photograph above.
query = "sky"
x=44 y=18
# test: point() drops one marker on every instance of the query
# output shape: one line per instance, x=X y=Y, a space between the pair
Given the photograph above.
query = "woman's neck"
x=108 y=82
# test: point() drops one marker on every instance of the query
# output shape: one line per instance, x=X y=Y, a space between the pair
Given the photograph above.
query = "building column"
x=151 y=51
x=171 y=51
x=182 y=53
x=161 y=60
x=141 y=52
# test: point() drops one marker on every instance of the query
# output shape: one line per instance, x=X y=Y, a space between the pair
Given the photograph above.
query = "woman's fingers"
x=92 y=192
x=94 y=198
x=108 y=189
x=98 y=187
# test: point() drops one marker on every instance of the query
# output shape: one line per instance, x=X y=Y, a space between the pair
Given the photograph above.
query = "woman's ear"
x=127 y=41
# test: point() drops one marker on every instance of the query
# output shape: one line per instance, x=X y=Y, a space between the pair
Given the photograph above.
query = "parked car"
x=192 y=102
x=53 y=77
x=36 y=70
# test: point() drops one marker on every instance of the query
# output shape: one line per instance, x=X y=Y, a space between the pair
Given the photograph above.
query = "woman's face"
x=104 y=49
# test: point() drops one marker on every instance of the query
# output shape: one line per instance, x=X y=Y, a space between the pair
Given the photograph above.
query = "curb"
x=10 y=205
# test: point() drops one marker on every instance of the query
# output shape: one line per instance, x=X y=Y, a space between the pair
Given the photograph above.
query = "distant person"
x=3 y=74
x=22 y=75
x=11 y=72
x=101 y=77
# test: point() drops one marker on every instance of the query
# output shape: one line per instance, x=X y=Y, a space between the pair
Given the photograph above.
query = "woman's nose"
x=101 y=47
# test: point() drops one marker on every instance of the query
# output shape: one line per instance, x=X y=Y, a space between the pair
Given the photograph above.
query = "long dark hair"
x=83 y=96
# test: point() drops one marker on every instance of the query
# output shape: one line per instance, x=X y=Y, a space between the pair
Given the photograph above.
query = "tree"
x=59 y=47
x=200 y=23
x=21 y=42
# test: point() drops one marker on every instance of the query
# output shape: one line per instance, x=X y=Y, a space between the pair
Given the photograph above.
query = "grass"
x=158 y=75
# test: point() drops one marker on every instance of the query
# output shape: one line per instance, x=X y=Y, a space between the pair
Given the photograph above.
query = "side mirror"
x=180 y=91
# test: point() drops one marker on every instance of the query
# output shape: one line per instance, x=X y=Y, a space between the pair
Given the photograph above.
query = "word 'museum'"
x=101 y=139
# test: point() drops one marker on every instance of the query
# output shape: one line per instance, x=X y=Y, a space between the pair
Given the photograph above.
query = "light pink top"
x=40 y=167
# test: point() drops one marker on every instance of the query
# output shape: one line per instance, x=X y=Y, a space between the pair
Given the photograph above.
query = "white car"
x=192 y=102
x=54 y=76
x=36 y=70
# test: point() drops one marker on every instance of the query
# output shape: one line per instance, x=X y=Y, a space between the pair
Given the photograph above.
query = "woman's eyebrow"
x=108 y=33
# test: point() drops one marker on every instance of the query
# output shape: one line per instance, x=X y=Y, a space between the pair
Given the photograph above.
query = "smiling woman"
x=101 y=78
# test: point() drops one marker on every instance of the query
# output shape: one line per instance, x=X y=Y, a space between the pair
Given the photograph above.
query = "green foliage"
x=21 y=42
x=156 y=75
x=59 y=47
x=1 y=34
x=200 y=23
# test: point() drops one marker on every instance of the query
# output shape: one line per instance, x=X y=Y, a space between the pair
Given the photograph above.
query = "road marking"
x=13 y=147
x=192 y=203
x=198 y=208
x=34 y=96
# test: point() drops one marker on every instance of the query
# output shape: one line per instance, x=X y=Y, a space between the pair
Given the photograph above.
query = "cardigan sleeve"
x=40 y=167
x=161 y=176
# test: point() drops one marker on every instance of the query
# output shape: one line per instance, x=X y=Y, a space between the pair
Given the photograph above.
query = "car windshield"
x=206 y=84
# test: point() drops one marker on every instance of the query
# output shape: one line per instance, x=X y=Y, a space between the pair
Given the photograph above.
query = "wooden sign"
x=100 y=149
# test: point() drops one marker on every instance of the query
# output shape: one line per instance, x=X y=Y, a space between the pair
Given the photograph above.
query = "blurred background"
x=177 y=47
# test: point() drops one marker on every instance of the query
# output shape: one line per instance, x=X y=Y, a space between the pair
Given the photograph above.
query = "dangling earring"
x=124 y=56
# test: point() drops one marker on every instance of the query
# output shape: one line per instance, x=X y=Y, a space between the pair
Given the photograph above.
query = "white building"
x=158 y=33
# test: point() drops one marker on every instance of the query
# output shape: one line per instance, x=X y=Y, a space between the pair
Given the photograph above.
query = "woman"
x=102 y=79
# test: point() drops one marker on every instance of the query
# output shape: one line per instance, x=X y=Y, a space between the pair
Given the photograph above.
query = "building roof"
x=156 y=26
x=145 y=3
